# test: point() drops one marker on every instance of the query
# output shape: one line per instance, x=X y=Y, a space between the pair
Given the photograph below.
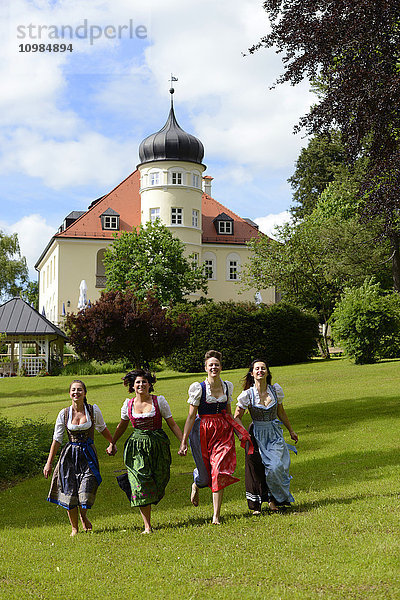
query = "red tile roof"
x=125 y=200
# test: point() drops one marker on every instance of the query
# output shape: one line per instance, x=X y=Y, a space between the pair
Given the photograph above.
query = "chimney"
x=207 y=184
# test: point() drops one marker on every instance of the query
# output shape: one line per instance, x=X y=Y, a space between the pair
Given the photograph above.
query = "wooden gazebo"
x=33 y=343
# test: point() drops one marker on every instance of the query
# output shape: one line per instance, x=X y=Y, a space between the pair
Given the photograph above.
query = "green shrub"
x=367 y=323
x=84 y=367
x=23 y=447
x=281 y=333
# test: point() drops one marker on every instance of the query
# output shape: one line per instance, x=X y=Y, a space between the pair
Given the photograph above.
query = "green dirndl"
x=147 y=457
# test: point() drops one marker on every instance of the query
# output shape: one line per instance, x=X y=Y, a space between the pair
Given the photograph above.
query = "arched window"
x=233 y=267
x=100 y=269
x=210 y=265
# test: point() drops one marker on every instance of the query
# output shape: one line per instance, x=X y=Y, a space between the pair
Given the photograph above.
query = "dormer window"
x=110 y=220
x=223 y=224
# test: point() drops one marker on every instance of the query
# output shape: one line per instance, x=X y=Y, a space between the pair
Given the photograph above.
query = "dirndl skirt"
x=274 y=453
x=74 y=483
x=218 y=450
x=147 y=457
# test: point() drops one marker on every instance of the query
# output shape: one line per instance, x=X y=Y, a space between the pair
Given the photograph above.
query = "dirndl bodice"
x=144 y=422
x=262 y=413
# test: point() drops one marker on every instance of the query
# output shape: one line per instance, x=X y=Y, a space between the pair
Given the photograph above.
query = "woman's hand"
x=111 y=449
x=47 y=469
x=294 y=436
x=183 y=448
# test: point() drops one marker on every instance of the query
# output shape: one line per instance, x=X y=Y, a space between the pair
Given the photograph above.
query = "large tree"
x=13 y=268
x=121 y=326
x=152 y=259
x=352 y=49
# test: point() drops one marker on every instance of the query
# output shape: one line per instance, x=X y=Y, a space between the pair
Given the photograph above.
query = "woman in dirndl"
x=267 y=476
x=147 y=453
x=210 y=429
x=76 y=476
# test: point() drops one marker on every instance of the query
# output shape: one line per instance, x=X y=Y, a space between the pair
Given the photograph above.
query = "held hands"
x=183 y=448
x=111 y=449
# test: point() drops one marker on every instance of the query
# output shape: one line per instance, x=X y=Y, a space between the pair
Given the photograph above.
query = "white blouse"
x=244 y=399
x=195 y=391
x=162 y=405
x=59 y=428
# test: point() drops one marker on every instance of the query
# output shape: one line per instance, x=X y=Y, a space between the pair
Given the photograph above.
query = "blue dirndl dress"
x=267 y=469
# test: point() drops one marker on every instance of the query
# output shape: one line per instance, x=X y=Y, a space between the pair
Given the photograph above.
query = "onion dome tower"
x=171 y=171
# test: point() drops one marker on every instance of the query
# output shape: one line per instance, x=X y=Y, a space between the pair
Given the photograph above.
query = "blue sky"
x=71 y=122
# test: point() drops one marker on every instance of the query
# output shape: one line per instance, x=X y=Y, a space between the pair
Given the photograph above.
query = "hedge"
x=281 y=333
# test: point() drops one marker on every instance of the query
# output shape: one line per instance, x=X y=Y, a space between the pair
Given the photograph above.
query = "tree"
x=13 y=268
x=351 y=48
x=120 y=325
x=366 y=321
x=152 y=259
x=314 y=260
x=315 y=169
x=31 y=294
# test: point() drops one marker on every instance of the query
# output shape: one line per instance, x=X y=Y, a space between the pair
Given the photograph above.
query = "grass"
x=340 y=540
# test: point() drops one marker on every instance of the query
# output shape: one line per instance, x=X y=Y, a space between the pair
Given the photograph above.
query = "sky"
x=71 y=122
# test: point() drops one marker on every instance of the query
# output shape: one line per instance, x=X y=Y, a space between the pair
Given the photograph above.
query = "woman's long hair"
x=248 y=379
x=130 y=378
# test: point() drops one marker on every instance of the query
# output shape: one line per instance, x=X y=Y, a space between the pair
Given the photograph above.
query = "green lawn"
x=340 y=540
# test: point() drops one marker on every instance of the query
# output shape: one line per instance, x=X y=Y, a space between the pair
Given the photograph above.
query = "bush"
x=85 y=367
x=281 y=333
x=367 y=323
x=23 y=447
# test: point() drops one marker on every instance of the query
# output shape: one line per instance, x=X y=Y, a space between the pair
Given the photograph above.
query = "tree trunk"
x=395 y=261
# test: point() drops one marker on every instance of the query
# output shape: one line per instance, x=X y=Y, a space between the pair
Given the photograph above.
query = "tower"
x=171 y=171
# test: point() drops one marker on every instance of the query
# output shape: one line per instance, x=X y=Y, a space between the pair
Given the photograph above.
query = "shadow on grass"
x=337 y=414
x=51 y=391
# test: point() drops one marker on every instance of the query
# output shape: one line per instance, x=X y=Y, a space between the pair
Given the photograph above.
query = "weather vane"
x=171 y=89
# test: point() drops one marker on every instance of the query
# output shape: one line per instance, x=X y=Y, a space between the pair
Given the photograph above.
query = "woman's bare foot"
x=86 y=524
x=256 y=512
x=147 y=531
x=194 y=495
x=272 y=506
x=74 y=532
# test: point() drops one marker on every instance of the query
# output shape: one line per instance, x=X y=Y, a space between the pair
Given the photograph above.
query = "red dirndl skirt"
x=218 y=450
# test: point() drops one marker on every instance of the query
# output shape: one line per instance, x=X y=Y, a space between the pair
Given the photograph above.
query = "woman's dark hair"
x=212 y=354
x=84 y=388
x=130 y=378
x=248 y=379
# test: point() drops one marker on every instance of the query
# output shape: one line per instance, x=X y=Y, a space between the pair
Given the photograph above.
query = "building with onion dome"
x=169 y=184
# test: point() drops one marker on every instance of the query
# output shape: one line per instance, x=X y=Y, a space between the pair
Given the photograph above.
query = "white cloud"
x=32 y=230
x=268 y=223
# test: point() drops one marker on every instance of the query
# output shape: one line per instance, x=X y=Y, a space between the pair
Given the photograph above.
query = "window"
x=176 y=216
x=195 y=218
x=155 y=178
x=209 y=269
x=225 y=227
x=233 y=270
x=233 y=267
x=154 y=214
x=110 y=223
x=210 y=265
x=195 y=259
x=195 y=180
x=176 y=178
x=110 y=219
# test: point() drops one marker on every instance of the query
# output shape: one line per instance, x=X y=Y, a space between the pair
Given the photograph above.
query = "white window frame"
x=110 y=222
x=225 y=227
x=233 y=263
x=210 y=265
x=195 y=180
x=176 y=177
x=154 y=214
x=195 y=218
x=154 y=178
x=176 y=216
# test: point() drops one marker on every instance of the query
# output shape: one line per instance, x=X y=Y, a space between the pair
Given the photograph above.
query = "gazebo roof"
x=17 y=317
